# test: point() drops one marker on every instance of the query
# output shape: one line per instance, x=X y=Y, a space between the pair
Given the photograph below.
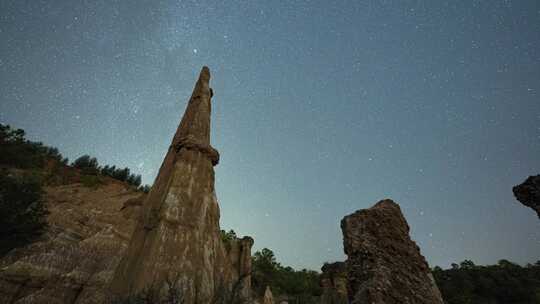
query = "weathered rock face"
x=384 y=265
x=239 y=252
x=334 y=283
x=528 y=193
x=89 y=230
x=178 y=234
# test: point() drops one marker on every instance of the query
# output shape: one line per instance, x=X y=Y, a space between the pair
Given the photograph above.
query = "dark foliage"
x=88 y=165
x=145 y=188
x=504 y=283
x=299 y=286
x=22 y=211
x=122 y=175
x=17 y=151
x=228 y=236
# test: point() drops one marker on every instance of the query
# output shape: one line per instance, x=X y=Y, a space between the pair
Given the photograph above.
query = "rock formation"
x=89 y=230
x=528 y=193
x=239 y=252
x=268 y=298
x=384 y=265
x=178 y=234
x=334 y=283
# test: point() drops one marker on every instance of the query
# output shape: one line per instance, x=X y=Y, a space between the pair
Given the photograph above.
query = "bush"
x=22 y=211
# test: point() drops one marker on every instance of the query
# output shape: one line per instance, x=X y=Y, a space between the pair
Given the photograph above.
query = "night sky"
x=319 y=109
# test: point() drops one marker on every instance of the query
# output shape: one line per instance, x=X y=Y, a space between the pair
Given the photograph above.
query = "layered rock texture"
x=384 y=265
x=89 y=230
x=334 y=283
x=178 y=234
x=528 y=193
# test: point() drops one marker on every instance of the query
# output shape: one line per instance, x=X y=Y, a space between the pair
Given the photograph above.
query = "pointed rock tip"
x=205 y=73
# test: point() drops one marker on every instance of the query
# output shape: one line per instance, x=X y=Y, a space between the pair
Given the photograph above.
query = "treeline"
x=285 y=282
x=504 y=283
x=18 y=152
x=90 y=166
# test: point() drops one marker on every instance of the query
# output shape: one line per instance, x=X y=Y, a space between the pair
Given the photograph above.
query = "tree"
x=145 y=188
x=302 y=285
x=467 y=264
x=227 y=236
x=22 y=211
x=88 y=165
x=505 y=282
x=121 y=174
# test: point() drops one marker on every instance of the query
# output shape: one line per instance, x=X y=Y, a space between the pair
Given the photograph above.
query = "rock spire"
x=178 y=237
x=384 y=265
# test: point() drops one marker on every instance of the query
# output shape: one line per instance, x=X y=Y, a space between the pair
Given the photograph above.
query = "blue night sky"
x=319 y=109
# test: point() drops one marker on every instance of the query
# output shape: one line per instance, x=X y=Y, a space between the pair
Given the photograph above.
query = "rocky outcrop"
x=268 y=298
x=384 y=265
x=334 y=283
x=178 y=234
x=239 y=252
x=528 y=193
x=89 y=230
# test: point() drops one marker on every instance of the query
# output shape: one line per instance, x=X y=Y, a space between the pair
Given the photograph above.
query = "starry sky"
x=319 y=109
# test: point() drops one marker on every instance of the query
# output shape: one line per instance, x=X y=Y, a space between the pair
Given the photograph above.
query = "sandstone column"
x=384 y=265
x=178 y=237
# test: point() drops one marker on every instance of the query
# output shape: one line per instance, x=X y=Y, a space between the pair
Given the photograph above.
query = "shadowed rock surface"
x=528 y=193
x=384 y=265
x=334 y=283
x=89 y=230
x=178 y=235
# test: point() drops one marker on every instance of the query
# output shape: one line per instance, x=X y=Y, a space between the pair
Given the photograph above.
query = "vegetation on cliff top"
x=18 y=152
x=27 y=166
